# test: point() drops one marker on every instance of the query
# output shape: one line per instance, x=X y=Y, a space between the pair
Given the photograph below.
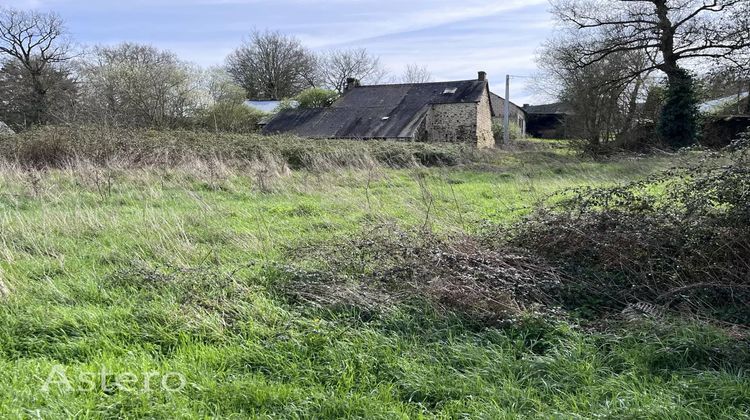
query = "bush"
x=719 y=132
x=285 y=105
x=385 y=268
x=316 y=98
x=231 y=118
x=680 y=240
x=678 y=125
x=497 y=132
x=52 y=146
x=641 y=138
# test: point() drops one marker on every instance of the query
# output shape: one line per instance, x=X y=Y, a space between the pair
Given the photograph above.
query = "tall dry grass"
x=58 y=146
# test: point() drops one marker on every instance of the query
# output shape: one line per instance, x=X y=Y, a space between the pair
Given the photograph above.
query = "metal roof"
x=267 y=106
x=717 y=105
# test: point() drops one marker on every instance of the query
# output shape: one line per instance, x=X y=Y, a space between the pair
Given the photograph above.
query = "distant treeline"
x=46 y=79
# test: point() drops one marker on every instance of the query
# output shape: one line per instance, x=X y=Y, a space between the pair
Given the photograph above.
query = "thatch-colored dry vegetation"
x=55 y=147
x=293 y=278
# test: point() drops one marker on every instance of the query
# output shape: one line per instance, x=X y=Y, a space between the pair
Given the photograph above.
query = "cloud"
x=370 y=19
x=24 y=4
x=454 y=39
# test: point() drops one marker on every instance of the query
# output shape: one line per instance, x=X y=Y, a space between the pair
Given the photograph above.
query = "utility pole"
x=506 y=113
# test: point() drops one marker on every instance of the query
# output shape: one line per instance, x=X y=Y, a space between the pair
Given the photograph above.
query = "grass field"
x=150 y=292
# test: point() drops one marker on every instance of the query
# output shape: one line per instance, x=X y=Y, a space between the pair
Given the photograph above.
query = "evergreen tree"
x=678 y=125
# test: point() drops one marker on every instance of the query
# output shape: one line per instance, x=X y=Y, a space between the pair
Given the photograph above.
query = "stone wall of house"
x=452 y=123
x=459 y=123
x=485 y=137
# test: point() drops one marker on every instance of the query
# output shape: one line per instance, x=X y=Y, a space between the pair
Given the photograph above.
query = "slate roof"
x=377 y=111
x=556 y=108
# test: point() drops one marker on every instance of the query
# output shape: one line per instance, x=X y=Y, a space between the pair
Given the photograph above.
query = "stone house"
x=517 y=114
x=456 y=112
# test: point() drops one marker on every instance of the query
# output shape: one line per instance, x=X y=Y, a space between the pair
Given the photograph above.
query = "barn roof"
x=377 y=111
x=719 y=104
x=555 y=108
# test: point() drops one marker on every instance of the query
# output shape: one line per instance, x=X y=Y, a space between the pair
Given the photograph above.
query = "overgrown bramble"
x=680 y=239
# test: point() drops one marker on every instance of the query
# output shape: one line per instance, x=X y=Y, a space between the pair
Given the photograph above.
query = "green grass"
x=150 y=271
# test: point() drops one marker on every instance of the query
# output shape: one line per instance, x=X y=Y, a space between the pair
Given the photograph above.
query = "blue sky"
x=453 y=38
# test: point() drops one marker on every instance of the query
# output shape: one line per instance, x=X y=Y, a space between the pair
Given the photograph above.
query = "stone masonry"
x=461 y=123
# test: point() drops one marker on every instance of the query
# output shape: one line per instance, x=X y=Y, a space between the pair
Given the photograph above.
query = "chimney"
x=351 y=83
x=482 y=76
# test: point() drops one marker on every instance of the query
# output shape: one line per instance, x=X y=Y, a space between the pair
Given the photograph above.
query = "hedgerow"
x=57 y=146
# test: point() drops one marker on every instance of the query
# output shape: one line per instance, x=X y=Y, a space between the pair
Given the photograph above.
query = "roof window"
x=450 y=91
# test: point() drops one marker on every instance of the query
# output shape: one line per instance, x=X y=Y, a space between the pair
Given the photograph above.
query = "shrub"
x=497 y=132
x=52 y=146
x=678 y=125
x=286 y=104
x=719 y=132
x=640 y=138
x=230 y=117
x=316 y=98
x=680 y=239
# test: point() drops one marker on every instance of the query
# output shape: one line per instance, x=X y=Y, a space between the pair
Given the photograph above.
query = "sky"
x=453 y=38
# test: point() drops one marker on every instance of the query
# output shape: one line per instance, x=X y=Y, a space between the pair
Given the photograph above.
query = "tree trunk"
x=666 y=41
x=39 y=101
x=632 y=106
x=679 y=120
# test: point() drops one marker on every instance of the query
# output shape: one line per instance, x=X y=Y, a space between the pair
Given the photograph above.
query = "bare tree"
x=337 y=66
x=601 y=109
x=734 y=74
x=669 y=32
x=414 y=73
x=271 y=65
x=221 y=88
x=138 y=85
x=38 y=43
x=21 y=105
x=728 y=80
